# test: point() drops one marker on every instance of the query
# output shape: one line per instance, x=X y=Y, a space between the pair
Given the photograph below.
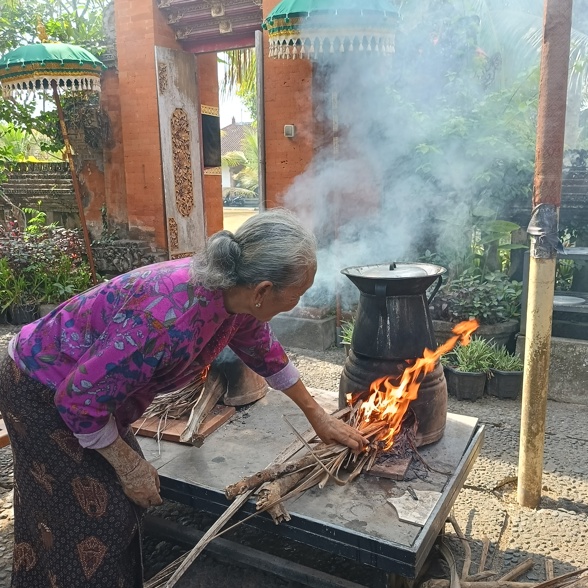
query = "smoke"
x=385 y=187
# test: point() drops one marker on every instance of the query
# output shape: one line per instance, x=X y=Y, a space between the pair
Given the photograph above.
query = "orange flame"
x=389 y=403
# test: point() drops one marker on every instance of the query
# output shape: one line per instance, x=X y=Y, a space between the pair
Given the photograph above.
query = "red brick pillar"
x=140 y=26
x=114 y=156
x=288 y=100
x=207 y=71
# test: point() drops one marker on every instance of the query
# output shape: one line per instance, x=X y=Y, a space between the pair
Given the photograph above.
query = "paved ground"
x=486 y=507
x=234 y=217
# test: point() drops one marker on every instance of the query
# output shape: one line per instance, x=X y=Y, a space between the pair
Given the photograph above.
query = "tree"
x=241 y=77
x=68 y=21
x=27 y=21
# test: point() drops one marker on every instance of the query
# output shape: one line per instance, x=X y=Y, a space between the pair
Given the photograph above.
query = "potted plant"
x=466 y=367
x=505 y=376
x=346 y=335
x=5 y=297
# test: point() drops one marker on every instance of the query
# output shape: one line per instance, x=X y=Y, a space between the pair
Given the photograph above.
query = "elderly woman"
x=74 y=381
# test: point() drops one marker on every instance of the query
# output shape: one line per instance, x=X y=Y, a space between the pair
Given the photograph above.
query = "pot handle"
x=437 y=286
x=380 y=290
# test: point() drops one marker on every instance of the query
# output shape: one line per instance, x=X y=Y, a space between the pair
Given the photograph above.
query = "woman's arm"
x=138 y=477
x=327 y=427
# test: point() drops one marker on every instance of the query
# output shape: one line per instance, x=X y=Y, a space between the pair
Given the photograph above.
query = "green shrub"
x=474 y=357
x=492 y=299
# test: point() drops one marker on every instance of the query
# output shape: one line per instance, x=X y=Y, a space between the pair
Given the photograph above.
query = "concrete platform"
x=568 y=369
x=355 y=521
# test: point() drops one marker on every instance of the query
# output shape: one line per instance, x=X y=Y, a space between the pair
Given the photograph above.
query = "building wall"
x=139 y=28
x=288 y=100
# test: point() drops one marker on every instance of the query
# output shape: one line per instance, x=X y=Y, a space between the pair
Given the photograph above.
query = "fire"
x=387 y=404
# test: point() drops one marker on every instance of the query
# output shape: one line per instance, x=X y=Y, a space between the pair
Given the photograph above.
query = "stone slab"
x=568 y=369
x=305 y=333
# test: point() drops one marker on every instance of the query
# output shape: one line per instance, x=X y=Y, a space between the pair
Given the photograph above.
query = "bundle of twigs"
x=174 y=405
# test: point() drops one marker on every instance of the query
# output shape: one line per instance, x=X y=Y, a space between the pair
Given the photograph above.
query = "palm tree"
x=240 y=77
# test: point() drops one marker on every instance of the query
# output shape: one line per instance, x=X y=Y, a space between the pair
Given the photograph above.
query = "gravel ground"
x=485 y=508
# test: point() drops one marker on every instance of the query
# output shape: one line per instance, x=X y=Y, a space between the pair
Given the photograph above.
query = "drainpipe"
x=260 y=120
x=543 y=228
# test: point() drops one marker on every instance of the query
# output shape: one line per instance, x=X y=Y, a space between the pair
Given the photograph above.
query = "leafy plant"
x=41 y=262
x=474 y=357
x=492 y=299
x=5 y=284
x=347 y=332
x=505 y=361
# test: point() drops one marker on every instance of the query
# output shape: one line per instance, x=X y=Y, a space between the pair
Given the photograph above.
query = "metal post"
x=76 y=183
x=543 y=228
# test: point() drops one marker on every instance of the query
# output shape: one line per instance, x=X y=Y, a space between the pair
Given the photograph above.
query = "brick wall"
x=139 y=28
x=115 y=197
x=288 y=100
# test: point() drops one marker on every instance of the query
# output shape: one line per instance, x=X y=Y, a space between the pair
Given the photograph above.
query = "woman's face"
x=274 y=301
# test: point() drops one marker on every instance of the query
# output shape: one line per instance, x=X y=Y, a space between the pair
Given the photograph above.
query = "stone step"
x=38 y=190
x=44 y=185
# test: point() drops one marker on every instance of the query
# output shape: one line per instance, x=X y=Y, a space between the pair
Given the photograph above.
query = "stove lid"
x=394 y=270
x=393 y=279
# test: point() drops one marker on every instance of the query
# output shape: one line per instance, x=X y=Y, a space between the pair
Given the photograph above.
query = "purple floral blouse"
x=109 y=351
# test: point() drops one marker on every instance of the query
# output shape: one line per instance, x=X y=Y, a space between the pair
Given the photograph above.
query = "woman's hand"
x=334 y=430
x=327 y=427
x=141 y=485
x=138 y=477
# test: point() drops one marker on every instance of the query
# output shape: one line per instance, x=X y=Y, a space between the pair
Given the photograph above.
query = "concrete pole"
x=555 y=57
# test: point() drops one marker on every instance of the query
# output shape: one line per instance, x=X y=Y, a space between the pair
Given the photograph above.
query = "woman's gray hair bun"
x=272 y=245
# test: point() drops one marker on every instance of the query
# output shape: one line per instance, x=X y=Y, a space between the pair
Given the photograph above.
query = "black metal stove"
x=392 y=326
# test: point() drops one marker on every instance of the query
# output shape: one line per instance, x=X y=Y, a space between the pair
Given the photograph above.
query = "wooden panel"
x=175 y=427
x=179 y=123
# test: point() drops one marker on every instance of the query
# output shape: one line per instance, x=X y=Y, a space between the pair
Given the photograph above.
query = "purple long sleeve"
x=109 y=351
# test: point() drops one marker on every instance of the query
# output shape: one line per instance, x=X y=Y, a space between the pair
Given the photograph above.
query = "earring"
x=258 y=305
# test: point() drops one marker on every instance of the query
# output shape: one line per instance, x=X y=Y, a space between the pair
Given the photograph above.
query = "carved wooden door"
x=179 y=124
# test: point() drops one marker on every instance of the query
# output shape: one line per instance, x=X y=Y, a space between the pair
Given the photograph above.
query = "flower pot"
x=3 y=317
x=46 y=308
x=347 y=348
x=505 y=384
x=22 y=314
x=500 y=333
x=465 y=385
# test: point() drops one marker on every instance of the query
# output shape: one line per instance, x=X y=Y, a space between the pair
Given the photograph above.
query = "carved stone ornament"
x=182 y=158
x=172 y=233
x=162 y=77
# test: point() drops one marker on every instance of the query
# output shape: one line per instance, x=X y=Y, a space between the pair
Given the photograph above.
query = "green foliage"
x=68 y=21
x=493 y=299
x=42 y=263
x=481 y=355
x=347 y=332
x=248 y=160
x=474 y=357
x=505 y=361
x=241 y=77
